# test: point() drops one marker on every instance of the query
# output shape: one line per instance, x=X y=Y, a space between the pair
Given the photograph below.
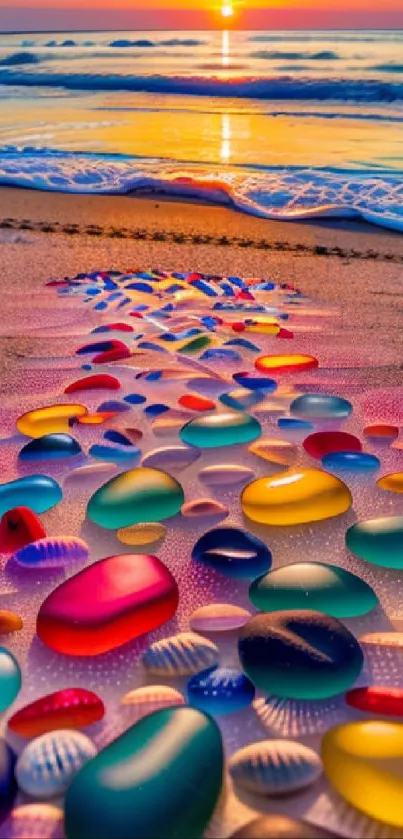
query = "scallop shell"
x=52 y=552
x=143 y=701
x=49 y=763
x=275 y=767
x=171 y=458
x=219 y=617
x=42 y=821
x=225 y=474
x=180 y=655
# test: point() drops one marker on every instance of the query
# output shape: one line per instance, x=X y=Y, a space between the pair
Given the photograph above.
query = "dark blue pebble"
x=50 y=447
x=135 y=399
x=155 y=410
x=116 y=437
x=220 y=690
x=234 y=552
x=112 y=405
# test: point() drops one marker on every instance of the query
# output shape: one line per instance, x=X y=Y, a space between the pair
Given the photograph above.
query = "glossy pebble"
x=388 y=640
x=161 y=778
x=50 y=447
x=216 y=430
x=275 y=767
x=143 y=701
x=112 y=454
x=285 y=363
x=363 y=762
x=218 y=617
x=297 y=496
x=233 y=552
x=107 y=604
x=48 y=764
x=140 y=495
x=281 y=827
x=8 y=786
x=262 y=383
x=358 y=462
x=171 y=458
x=54 y=419
x=194 y=402
x=10 y=679
x=299 y=654
x=276 y=452
x=19 y=527
x=42 y=821
x=52 y=552
x=392 y=482
x=9 y=622
x=99 y=381
x=67 y=708
x=141 y=534
x=379 y=541
x=313 y=585
x=321 y=406
x=241 y=399
x=180 y=655
x=101 y=346
x=38 y=492
x=382 y=432
x=204 y=508
x=226 y=474
x=377 y=700
x=167 y=426
x=220 y=691
x=323 y=443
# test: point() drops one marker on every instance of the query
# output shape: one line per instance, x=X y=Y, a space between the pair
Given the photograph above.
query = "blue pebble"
x=100 y=306
x=261 y=383
x=143 y=287
x=154 y=376
x=113 y=406
x=39 y=492
x=50 y=447
x=220 y=354
x=351 y=462
x=321 y=406
x=112 y=455
x=135 y=399
x=242 y=342
x=148 y=345
x=220 y=691
x=86 y=366
x=293 y=424
x=234 y=552
x=155 y=410
x=116 y=437
x=98 y=347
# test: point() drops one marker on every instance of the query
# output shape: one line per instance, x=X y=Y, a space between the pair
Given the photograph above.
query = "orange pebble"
x=9 y=622
x=96 y=419
x=196 y=403
x=383 y=431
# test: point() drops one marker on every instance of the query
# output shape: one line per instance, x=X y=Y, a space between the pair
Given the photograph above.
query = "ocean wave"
x=387 y=68
x=19 y=58
x=275 y=88
x=323 y=55
x=286 y=193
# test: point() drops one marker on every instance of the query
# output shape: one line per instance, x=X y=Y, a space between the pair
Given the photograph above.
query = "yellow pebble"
x=51 y=420
x=295 y=497
x=393 y=482
x=9 y=622
x=141 y=534
x=264 y=328
x=364 y=762
x=278 y=452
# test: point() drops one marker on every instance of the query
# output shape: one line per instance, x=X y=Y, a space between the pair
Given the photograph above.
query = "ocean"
x=287 y=125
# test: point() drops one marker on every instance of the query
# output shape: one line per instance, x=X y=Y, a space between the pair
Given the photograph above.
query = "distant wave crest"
x=323 y=55
x=19 y=58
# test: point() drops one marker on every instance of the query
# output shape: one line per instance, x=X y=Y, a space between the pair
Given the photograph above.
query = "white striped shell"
x=219 y=617
x=42 y=821
x=180 y=655
x=52 y=552
x=145 y=700
x=275 y=767
x=48 y=764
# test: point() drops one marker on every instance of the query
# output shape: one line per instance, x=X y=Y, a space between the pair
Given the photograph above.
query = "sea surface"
x=281 y=124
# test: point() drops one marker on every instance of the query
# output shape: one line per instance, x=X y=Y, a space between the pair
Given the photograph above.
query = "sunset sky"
x=154 y=14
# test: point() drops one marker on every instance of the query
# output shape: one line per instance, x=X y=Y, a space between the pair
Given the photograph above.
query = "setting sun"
x=227 y=10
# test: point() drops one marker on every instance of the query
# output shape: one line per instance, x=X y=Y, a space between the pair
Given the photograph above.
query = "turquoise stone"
x=321 y=406
x=140 y=495
x=313 y=585
x=10 y=679
x=218 y=430
x=38 y=492
x=50 y=447
x=379 y=541
x=161 y=779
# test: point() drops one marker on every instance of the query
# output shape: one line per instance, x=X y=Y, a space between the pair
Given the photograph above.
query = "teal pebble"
x=379 y=541
x=321 y=406
x=39 y=492
x=10 y=679
x=216 y=430
x=50 y=447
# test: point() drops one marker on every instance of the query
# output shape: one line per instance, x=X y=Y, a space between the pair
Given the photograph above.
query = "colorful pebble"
x=329 y=442
x=52 y=552
x=391 y=483
x=218 y=617
x=9 y=622
x=225 y=475
x=10 y=679
x=68 y=708
x=55 y=419
x=204 y=508
x=214 y=431
x=357 y=462
x=233 y=552
x=100 y=381
x=140 y=495
x=38 y=492
x=141 y=534
x=276 y=452
x=220 y=691
x=295 y=497
x=379 y=541
x=321 y=406
x=19 y=527
x=285 y=363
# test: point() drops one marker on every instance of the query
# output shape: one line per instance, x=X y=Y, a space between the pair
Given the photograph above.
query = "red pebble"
x=244 y=295
x=382 y=700
x=111 y=355
x=19 y=527
x=195 y=402
x=68 y=708
x=120 y=327
x=98 y=382
x=284 y=333
x=238 y=327
x=136 y=315
x=383 y=432
x=326 y=442
x=57 y=283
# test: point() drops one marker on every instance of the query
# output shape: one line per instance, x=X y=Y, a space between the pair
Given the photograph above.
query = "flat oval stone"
x=359 y=462
x=9 y=622
x=225 y=474
x=392 y=482
x=180 y=655
x=146 y=700
x=140 y=495
x=220 y=691
x=377 y=700
x=262 y=383
x=55 y=419
x=379 y=541
x=297 y=496
x=234 y=552
x=166 y=426
x=381 y=433
x=372 y=751
x=204 y=508
x=218 y=617
x=285 y=363
x=241 y=399
x=98 y=381
x=90 y=474
x=173 y=757
x=141 y=534
x=10 y=679
x=275 y=767
x=107 y=604
x=68 y=708
x=112 y=454
x=171 y=458
x=321 y=406
x=52 y=552
x=50 y=447
x=281 y=827
x=313 y=585
x=19 y=527
x=299 y=654
x=48 y=764
x=38 y=492
x=44 y=821
x=194 y=402
x=329 y=442
x=216 y=430
x=277 y=452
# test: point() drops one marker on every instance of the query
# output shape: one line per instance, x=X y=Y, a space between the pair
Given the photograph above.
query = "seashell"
x=141 y=534
x=180 y=655
x=52 y=552
x=219 y=617
x=226 y=474
x=42 y=821
x=171 y=458
x=67 y=708
x=145 y=700
x=204 y=508
x=49 y=763
x=275 y=767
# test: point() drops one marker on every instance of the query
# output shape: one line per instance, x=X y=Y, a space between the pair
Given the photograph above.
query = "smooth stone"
x=275 y=767
x=218 y=617
x=91 y=473
x=172 y=758
x=101 y=346
x=363 y=762
x=360 y=462
x=323 y=443
x=276 y=452
x=38 y=492
x=135 y=399
x=54 y=419
x=313 y=585
x=180 y=655
x=387 y=640
x=285 y=363
x=321 y=406
x=99 y=381
x=156 y=410
x=225 y=474
x=111 y=454
x=194 y=402
x=392 y=482
x=10 y=679
x=140 y=495
x=204 y=508
x=233 y=552
x=381 y=432
x=262 y=383
x=8 y=785
x=294 y=424
x=67 y=708
x=216 y=430
x=107 y=604
x=112 y=406
x=115 y=436
x=146 y=700
x=299 y=654
x=19 y=527
x=141 y=534
x=166 y=426
x=220 y=691
x=50 y=447
x=42 y=821
x=297 y=496
x=52 y=552
x=281 y=827
x=379 y=541
x=171 y=458
x=9 y=622
x=96 y=419
x=377 y=700
x=48 y=764
x=241 y=399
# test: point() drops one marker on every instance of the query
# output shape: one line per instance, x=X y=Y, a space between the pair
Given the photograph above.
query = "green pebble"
x=217 y=430
x=379 y=541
